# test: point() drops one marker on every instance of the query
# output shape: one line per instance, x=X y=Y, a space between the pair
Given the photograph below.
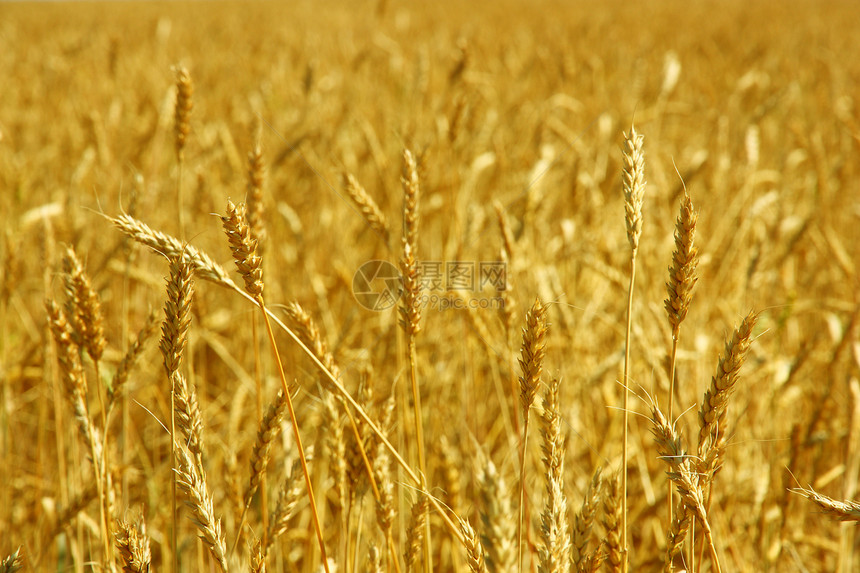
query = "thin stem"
x=419 y=436
x=174 y=471
x=672 y=359
x=258 y=376
x=298 y=437
x=710 y=539
x=106 y=533
x=522 y=491
x=344 y=393
x=180 y=210
x=626 y=390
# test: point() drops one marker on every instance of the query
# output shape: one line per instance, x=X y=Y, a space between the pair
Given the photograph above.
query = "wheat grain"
x=291 y=491
x=270 y=428
x=244 y=248
x=532 y=354
x=189 y=419
x=633 y=179
x=584 y=521
x=841 y=510
x=497 y=517
x=712 y=413
x=192 y=481
x=12 y=563
x=555 y=529
x=474 y=549
x=184 y=105
x=373 y=215
x=130 y=359
x=132 y=544
x=682 y=273
x=83 y=308
x=172 y=248
x=612 y=522
x=254 y=196
x=415 y=532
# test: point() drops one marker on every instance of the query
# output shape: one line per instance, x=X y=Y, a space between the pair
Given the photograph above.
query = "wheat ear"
x=192 y=482
x=132 y=355
x=83 y=310
x=291 y=491
x=633 y=183
x=584 y=521
x=132 y=544
x=532 y=354
x=257 y=223
x=682 y=472
x=509 y=305
x=249 y=263
x=270 y=427
x=12 y=563
x=841 y=510
x=555 y=528
x=712 y=413
x=311 y=338
x=182 y=127
x=75 y=387
x=410 y=313
x=474 y=549
x=373 y=215
x=206 y=269
x=174 y=339
x=682 y=279
x=415 y=532
x=612 y=519
x=497 y=518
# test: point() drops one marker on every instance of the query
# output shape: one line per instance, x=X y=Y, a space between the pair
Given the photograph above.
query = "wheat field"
x=550 y=286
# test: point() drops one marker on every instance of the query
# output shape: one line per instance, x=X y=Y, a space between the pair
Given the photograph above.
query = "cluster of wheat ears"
x=577 y=426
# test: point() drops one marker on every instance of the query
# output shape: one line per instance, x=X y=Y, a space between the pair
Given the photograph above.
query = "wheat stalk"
x=682 y=473
x=75 y=387
x=410 y=313
x=249 y=264
x=532 y=354
x=682 y=279
x=633 y=183
x=174 y=339
x=206 y=269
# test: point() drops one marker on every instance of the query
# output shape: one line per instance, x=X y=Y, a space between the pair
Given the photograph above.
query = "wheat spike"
x=633 y=179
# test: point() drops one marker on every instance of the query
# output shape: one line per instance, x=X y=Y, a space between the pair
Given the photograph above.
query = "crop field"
x=450 y=286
